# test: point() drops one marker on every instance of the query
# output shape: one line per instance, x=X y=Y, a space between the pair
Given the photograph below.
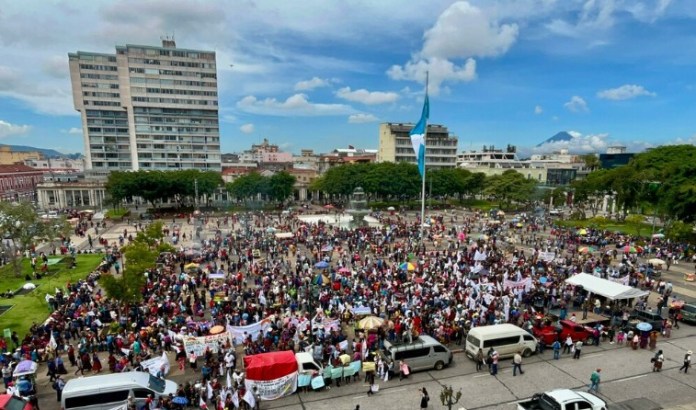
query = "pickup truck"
x=548 y=334
x=563 y=399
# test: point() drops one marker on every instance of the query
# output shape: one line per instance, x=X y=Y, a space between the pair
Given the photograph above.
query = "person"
x=480 y=360
x=556 y=350
x=653 y=339
x=404 y=370
x=424 y=398
x=594 y=380
x=687 y=362
x=578 y=349
x=372 y=389
x=567 y=345
x=58 y=385
x=517 y=364
x=657 y=360
x=494 y=362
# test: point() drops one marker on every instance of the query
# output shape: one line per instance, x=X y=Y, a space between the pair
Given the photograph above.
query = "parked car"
x=688 y=312
x=563 y=399
x=548 y=334
x=653 y=318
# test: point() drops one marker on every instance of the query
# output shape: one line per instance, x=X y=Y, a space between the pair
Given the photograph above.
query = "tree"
x=591 y=161
x=281 y=185
x=21 y=226
x=248 y=186
x=139 y=258
x=509 y=187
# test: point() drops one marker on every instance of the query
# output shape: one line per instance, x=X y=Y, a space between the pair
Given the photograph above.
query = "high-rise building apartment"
x=395 y=145
x=147 y=108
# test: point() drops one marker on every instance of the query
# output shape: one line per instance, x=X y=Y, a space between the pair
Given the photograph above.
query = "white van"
x=506 y=338
x=306 y=363
x=423 y=354
x=111 y=390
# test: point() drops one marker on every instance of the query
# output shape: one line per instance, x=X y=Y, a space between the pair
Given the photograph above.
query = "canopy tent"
x=606 y=288
x=273 y=373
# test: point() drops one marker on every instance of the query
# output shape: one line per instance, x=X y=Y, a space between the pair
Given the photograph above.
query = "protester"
x=687 y=362
x=594 y=381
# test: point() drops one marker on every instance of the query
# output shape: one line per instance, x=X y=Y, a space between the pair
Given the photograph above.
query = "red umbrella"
x=419 y=280
x=329 y=206
x=344 y=271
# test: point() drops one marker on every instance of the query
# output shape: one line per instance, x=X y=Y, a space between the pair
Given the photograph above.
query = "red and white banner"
x=520 y=284
x=274 y=389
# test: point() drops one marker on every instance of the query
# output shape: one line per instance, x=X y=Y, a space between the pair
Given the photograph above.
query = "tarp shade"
x=270 y=366
x=606 y=288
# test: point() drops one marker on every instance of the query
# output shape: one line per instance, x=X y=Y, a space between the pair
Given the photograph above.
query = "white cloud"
x=295 y=105
x=538 y=110
x=367 y=97
x=308 y=85
x=247 y=128
x=596 y=16
x=361 y=118
x=7 y=129
x=576 y=104
x=625 y=92
x=462 y=32
x=72 y=131
x=439 y=71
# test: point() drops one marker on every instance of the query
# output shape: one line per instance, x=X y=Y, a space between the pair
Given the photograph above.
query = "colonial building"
x=18 y=182
x=83 y=193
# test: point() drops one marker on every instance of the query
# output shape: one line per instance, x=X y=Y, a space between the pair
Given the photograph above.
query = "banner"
x=198 y=345
x=361 y=310
x=155 y=364
x=238 y=333
x=273 y=389
x=216 y=276
x=520 y=284
x=623 y=280
x=547 y=256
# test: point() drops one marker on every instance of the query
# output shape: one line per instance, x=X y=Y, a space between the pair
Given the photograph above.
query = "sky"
x=322 y=74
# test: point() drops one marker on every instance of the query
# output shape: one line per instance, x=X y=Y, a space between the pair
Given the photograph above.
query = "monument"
x=357 y=207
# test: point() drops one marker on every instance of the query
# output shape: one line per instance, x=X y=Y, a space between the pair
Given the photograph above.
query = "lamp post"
x=312 y=294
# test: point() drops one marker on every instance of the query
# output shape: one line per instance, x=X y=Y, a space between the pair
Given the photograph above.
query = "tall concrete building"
x=395 y=145
x=147 y=108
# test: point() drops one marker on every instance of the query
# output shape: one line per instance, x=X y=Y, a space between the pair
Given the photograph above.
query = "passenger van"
x=306 y=364
x=423 y=354
x=507 y=339
x=111 y=390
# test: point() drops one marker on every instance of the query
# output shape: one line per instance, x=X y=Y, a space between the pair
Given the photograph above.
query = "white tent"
x=606 y=288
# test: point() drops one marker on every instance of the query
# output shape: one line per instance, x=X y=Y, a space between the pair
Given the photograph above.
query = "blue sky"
x=323 y=74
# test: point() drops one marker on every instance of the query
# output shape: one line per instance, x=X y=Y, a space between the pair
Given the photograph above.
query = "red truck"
x=548 y=334
x=12 y=402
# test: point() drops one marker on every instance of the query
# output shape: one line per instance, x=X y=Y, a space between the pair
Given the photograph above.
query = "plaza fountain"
x=357 y=208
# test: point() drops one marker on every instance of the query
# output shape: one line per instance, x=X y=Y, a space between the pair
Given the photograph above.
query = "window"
x=96 y=399
x=15 y=404
x=440 y=349
x=141 y=393
x=584 y=405
x=411 y=353
x=502 y=341
x=528 y=338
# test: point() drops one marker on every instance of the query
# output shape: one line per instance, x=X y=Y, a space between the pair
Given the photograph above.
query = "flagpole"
x=425 y=135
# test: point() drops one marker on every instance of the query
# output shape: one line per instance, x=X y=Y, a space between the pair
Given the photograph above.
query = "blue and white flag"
x=418 y=136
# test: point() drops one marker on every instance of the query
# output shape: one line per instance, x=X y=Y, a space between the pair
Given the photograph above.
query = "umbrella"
x=656 y=261
x=29 y=286
x=191 y=266
x=629 y=249
x=182 y=401
x=587 y=249
x=658 y=236
x=519 y=225
x=322 y=265
x=391 y=208
x=644 y=326
x=482 y=236
x=344 y=271
x=321 y=280
x=270 y=229
x=370 y=322
x=407 y=266
x=329 y=206
x=582 y=231
x=216 y=329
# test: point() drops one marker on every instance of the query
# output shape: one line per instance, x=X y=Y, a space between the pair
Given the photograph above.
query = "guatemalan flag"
x=418 y=136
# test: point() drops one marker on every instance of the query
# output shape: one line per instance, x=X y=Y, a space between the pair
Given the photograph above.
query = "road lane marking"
x=630 y=378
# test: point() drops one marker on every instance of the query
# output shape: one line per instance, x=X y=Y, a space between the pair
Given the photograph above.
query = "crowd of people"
x=235 y=270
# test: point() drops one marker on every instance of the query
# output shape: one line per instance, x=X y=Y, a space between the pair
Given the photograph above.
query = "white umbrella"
x=29 y=286
x=656 y=261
